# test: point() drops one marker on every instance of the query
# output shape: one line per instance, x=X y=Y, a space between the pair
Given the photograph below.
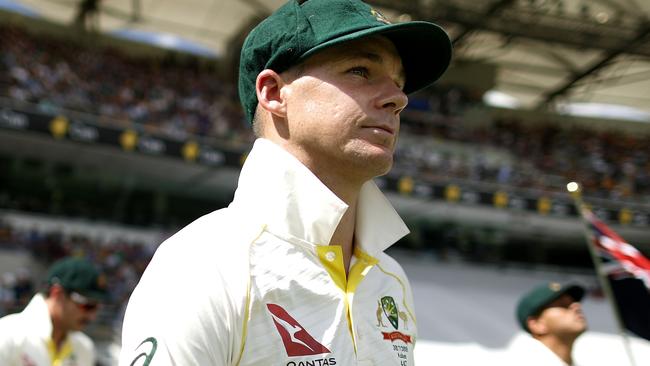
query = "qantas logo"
x=297 y=341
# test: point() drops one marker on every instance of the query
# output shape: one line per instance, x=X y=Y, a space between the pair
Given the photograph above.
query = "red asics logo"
x=297 y=341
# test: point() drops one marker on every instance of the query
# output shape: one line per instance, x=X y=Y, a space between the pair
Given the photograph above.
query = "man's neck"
x=348 y=191
x=58 y=337
x=562 y=348
x=347 y=187
x=344 y=235
x=58 y=333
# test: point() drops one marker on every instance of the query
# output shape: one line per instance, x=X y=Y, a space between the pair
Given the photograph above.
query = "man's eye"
x=361 y=71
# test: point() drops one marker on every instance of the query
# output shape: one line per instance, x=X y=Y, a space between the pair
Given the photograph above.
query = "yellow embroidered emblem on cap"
x=555 y=286
x=379 y=16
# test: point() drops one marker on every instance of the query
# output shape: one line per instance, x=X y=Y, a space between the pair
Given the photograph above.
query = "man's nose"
x=575 y=306
x=392 y=98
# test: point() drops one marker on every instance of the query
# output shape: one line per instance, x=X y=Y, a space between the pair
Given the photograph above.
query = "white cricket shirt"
x=26 y=340
x=526 y=350
x=257 y=284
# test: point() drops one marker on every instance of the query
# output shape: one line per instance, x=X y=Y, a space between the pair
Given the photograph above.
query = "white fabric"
x=24 y=337
x=527 y=350
x=207 y=296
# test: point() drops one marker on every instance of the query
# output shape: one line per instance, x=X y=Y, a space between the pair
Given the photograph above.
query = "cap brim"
x=94 y=295
x=424 y=47
x=575 y=291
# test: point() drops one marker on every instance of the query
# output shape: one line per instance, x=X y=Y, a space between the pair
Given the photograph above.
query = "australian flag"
x=628 y=272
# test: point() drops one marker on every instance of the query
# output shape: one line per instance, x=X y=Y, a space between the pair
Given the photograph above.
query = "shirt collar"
x=37 y=314
x=536 y=350
x=277 y=189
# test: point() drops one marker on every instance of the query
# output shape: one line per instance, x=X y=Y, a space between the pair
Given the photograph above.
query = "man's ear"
x=268 y=86
x=536 y=325
x=56 y=290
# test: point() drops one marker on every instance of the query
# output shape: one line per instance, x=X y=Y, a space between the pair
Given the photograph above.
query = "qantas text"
x=318 y=362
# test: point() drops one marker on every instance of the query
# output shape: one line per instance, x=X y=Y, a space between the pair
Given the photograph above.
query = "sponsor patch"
x=297 y=341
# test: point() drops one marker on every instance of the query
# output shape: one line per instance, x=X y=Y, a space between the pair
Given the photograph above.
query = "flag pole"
x=576 y=193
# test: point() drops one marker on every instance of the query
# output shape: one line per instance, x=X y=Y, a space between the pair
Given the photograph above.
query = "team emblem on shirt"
x=387 y=308
x=390 y=309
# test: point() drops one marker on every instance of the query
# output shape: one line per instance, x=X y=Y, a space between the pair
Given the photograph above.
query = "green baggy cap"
x=534 y=301
x=296 y=31
x=78 y=275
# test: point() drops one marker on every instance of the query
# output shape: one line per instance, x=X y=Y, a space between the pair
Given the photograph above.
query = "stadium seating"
x=180 y=102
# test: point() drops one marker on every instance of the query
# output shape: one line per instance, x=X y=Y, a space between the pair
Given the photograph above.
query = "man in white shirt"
x=48 y=331
x=551 y=314
x=293 y=272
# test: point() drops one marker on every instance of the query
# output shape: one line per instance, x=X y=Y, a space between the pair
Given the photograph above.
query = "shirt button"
x=330 y=256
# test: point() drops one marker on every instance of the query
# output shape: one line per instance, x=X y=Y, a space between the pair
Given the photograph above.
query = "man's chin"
x=380 y=151
x=380 y=165
x=371 y=160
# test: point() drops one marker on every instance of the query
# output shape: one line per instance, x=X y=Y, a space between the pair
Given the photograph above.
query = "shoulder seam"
x=247 y=304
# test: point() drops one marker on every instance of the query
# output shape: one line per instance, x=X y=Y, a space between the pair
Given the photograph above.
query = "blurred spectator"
x=23 y=287
x=87 y=17
x=7 y=293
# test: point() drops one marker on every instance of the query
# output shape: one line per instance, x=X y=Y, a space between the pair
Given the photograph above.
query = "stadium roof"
x=549 y=54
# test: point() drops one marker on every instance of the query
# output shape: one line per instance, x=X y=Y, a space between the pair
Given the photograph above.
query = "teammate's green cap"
x=78 y=275
x=299 y=29
x=532 y=303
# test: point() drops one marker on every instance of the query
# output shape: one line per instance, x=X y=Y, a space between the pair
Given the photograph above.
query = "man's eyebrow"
x=375 y=58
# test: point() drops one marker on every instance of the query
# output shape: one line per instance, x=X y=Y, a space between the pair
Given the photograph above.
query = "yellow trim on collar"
x=331 y=256
x=62 y=354
x=360 y=269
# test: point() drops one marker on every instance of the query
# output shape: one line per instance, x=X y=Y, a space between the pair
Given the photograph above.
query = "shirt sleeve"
x=183 y=312
x=7 y=340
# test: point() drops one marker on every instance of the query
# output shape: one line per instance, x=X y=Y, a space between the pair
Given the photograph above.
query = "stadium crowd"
x=608 y=164
x=143 y=93
x=179 y=101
